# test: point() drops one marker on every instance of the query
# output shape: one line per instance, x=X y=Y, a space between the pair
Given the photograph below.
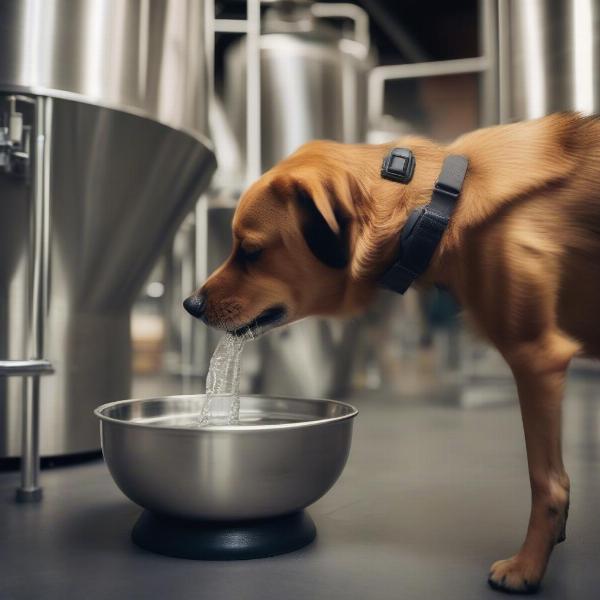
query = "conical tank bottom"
x=120 y=186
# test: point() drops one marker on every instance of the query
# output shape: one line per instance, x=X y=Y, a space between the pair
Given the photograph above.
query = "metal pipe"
x=30 y=491
x=210 y=27
x=194 y=265
x=184 y=265
x=253 y=124
x=380 y=75
x=30 y=370
x=504 y=80
x=25 y=367
x=230 y=26
x=201 y=254
x=200 y=342
x=488 y=47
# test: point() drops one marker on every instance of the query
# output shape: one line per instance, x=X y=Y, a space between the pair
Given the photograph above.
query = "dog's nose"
x=195 y=305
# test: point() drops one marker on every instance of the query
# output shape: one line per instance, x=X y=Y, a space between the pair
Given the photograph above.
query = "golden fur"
x=521 y=255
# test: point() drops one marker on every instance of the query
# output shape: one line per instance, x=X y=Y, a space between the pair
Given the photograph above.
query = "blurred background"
x=128 y=131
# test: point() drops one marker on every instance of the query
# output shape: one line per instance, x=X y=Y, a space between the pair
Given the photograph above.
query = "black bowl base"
x=217 y=540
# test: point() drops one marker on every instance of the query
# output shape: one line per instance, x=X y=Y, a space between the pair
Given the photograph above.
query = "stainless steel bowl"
x=285 y=454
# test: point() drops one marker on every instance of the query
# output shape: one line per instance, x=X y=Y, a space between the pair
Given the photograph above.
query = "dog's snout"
x=195 y=305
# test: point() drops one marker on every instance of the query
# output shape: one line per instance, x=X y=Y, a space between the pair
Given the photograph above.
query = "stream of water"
x=223 y=379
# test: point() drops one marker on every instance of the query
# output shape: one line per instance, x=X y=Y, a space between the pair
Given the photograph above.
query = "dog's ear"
x=322 y=205
x=325 y=229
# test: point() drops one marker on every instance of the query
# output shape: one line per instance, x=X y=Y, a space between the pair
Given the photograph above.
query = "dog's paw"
x=514 y=576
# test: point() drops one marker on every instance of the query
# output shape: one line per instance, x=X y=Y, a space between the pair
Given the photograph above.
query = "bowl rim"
x=98 y=412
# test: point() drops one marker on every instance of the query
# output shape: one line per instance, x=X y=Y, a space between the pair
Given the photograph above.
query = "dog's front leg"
x=540 y=374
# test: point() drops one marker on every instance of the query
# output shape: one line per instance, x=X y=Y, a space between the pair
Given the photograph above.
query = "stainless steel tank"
x=549 y=57
x=313 y=82
x=313 y=85
x=128 y=157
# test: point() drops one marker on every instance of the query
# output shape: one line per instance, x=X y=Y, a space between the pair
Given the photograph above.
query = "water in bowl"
x=223 y=379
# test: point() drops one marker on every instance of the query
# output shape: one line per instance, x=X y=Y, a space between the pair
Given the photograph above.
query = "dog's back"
x=536 y=213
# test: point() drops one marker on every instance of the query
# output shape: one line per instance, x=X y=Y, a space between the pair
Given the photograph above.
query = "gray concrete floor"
x=431 y=495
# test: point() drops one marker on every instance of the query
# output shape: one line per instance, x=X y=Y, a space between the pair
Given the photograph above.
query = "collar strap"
x=425 y=227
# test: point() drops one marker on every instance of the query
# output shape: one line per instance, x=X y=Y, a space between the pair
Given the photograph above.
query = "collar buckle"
x=447 y=190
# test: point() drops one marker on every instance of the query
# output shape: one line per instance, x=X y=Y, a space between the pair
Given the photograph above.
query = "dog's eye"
x=250 y=255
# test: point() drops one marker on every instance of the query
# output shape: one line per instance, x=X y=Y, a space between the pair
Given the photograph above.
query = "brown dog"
x=521 y=255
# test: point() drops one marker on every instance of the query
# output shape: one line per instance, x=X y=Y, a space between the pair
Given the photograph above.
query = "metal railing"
x=32 y=369
x=485 y=64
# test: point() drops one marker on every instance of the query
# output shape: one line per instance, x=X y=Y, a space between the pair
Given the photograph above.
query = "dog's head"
x=294 y=234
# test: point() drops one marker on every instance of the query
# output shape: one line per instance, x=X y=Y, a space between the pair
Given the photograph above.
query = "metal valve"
x=15 y=138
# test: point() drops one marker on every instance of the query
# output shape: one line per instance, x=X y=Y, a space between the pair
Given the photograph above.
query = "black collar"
x=426 y=225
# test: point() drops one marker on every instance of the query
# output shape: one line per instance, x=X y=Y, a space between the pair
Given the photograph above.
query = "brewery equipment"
x=549 y=57
x=307 y=80
x=313 y=80
x=313 y=85
x=125 y=123
x=549 y=53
